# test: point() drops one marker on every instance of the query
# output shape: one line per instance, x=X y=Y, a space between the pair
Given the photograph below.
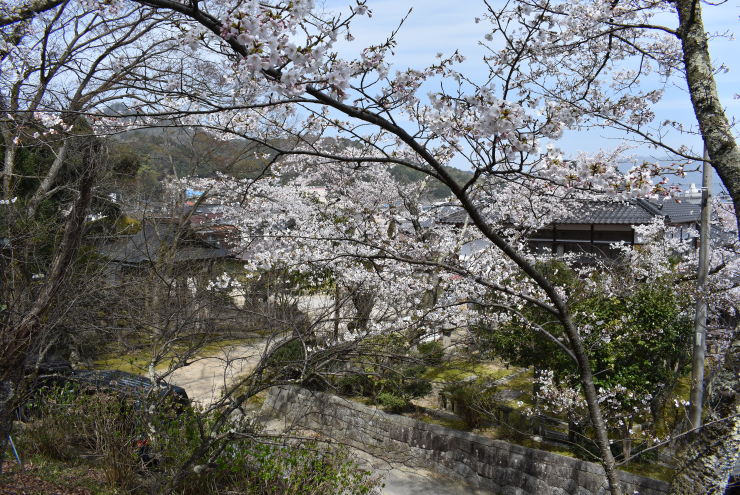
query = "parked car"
x=135 y=387
x=56 y=373
x=128 y=384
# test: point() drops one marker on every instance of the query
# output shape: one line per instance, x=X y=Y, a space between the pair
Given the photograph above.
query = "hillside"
x=435 y=191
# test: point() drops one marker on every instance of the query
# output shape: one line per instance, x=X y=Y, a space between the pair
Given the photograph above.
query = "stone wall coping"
x=315 y=403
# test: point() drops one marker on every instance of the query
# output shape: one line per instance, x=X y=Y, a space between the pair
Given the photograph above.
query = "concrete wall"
x=481 y=462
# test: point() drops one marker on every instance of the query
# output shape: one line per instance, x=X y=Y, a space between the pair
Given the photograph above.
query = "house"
x=161 y=241
x=591 y=228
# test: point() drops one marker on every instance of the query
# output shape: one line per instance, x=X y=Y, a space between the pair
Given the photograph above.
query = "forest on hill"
x=156 y=154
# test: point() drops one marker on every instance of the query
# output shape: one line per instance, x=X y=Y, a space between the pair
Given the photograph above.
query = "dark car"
x=128 y=384
x=56 y=373
x=53 y=371
x=135 y=387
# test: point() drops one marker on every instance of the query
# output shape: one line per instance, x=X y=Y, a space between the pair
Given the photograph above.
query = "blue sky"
x=444 y=26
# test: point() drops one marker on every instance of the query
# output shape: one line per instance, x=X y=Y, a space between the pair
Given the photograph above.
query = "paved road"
x=402 y=480
x=206 y=377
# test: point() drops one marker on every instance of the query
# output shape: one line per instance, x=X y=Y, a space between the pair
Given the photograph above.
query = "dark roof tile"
x=603 y=212
x=148 y=244
x=633 y=212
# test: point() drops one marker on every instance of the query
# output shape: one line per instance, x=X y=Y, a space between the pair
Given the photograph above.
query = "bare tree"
x=55 y=68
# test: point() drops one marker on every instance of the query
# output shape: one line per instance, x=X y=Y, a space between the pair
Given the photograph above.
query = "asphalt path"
x=205 y=378
x=402 y=480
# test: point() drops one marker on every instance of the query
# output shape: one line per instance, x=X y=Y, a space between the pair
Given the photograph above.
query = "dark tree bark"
x=706 y=462
x=715 y=127
x=17 y=340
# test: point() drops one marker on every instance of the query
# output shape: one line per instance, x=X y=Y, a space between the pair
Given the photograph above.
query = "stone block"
x=482 y=454
x=513 y=490
x=462 y=469
x=488 y=484
x=500 y=476
x=491 y=464
x=486 y=470
x=516 y=461
x=459 y=455
x=553 y=480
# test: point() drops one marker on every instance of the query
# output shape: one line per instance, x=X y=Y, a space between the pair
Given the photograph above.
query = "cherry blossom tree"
x=497 y=125
x=560 y=67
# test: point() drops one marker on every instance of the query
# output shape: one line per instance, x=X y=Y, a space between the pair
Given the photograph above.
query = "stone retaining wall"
x=481 y=462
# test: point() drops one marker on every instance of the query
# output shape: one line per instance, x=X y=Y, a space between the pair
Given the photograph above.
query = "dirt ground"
x=14 y=482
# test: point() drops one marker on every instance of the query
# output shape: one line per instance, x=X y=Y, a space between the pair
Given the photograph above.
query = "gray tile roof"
x=608 y=213
x=152 y=241
x=457 y=217
x=675 y=212
x=633 y=212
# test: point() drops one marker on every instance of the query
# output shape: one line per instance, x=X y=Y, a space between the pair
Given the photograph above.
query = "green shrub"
x=109 y=424
x=432 y=353
x=246 y=465
x=54 y=434
x=391 y=402
x=73 y=420
x=294 y=468
x=288 y=360
x=473 y=402
x=353 y=385
x=416 y=388
x=114 y=426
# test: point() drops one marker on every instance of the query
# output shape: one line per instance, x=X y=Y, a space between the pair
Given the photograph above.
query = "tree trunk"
x=572 y=433
x=715 y=127
x=536 y=385
x=17 y=340
x=50 y=178
x=8 y=400
x=706 y=462
x=363 y=300
x=657 y=411
x=8 y=162
x=336 y=312
x=626 y=438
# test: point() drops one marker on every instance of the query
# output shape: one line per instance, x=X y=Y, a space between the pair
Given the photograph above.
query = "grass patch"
x=683 y=387
x=459 y=370
x=447 y=423
x=221 y=345
x=138 y=362
x=508 y=435
x=42 y=473
x=522 y=382
x=655 y=471
x=258 y=399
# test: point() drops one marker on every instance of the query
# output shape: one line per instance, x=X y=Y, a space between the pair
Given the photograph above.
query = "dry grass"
x=138 y=362
x=459 y=370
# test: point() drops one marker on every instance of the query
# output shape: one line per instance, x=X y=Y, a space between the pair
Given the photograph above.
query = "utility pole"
x=700 y=321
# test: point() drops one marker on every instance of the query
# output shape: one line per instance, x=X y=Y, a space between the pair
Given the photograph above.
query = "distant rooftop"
x=632 y=212
x=148 y=244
